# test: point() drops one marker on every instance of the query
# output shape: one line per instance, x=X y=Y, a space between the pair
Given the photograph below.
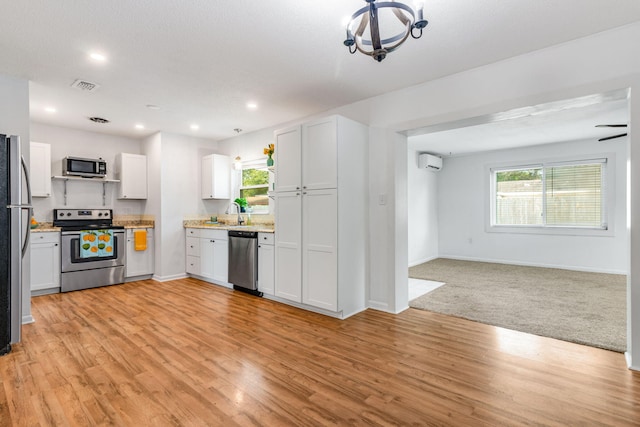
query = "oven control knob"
x=100 y=214
x=106 y=214
x=68 y=213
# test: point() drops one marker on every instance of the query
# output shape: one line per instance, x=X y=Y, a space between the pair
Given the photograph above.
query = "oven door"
x=71 y=260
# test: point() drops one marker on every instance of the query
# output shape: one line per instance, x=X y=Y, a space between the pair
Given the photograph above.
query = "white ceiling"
x=561 y=121
x=201 y=61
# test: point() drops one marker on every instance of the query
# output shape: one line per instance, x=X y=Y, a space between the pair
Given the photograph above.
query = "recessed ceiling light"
x=98 y=57
x=195 y=127
x=139 y=126
x=50 y=109
x=252 y=105
x=152 y=107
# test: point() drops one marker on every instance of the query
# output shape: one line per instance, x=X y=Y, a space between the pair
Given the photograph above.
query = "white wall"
x=174 y=193
x=463 y=212
x=422 y=211
x=152 y=148
x=71 y=142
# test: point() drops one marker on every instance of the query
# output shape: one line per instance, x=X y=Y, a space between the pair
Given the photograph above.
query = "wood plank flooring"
x=193 y=354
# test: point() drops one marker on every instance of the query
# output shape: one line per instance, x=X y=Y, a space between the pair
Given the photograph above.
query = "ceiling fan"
x=613 y=136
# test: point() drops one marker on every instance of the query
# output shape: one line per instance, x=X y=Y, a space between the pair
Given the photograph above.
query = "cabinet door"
x=131 y=170
x=319 y=154
x=206 y=257
x=221 y=260
x=215 y=177
x=40 y=169
x=45 y=261
x=287 y=162
x=266 y=266
x=288 y=246
x=139 y=263
x=319 y=250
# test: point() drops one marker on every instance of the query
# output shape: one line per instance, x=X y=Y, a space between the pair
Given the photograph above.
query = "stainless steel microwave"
x=88 y=168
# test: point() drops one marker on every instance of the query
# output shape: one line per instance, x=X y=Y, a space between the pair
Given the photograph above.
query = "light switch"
x=382 y=199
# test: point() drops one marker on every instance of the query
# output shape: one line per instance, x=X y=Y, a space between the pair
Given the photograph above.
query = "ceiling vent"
x=98 y=120
x=85 y=86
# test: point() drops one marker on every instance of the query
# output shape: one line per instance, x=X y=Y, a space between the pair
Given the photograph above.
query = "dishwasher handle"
x=243 y=234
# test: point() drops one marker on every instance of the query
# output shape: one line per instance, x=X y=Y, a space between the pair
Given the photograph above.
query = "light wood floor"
x=190 y=353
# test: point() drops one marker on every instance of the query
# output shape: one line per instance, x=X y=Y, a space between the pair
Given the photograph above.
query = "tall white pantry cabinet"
x=321 y=202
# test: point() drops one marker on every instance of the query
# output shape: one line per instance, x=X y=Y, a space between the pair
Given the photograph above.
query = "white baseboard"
x=532 y=264
x=422 y=261
x=378 y=305
x=627 y=356
x=28 y=319
x=169 y=278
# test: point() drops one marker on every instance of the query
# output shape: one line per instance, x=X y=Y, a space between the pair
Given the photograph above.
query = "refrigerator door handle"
x=28 y=207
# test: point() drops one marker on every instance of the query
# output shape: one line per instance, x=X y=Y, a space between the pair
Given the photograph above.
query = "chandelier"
x=373 y=44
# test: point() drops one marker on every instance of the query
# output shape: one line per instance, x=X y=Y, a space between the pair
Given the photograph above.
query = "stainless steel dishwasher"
x=243 y=261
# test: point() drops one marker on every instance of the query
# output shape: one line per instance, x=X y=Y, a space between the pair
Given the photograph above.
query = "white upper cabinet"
x=319 y=154
x=131 y=170
x=40 y=169
x=216 y=177
x=287 y=162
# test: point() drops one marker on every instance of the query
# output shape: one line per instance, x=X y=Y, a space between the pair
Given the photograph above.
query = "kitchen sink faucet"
x=240 y=220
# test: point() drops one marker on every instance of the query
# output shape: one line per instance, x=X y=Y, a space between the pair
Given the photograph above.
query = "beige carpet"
x=585 y=308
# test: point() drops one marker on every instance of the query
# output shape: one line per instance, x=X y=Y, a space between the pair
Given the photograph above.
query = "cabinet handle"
x=191 y=246
x=212 y=241
x=259 y=246
x=297 y=188
x=304 y=187
x=55 y=244
x=304 y=192
x=297 y=194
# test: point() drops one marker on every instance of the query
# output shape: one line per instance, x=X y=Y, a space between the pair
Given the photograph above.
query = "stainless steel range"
x=92 y=248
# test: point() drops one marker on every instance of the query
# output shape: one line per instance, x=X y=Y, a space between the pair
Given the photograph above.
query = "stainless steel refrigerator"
x=15 y=215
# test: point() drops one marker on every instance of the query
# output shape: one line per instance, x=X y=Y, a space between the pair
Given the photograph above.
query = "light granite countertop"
x=261 y=228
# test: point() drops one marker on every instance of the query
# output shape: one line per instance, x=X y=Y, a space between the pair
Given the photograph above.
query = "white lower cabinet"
x=207 y=254
x=45 y=261
x=139 y=262
x=266 y=263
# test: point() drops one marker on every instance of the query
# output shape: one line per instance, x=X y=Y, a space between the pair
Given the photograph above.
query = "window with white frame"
x=254 y=186
x=554 y=195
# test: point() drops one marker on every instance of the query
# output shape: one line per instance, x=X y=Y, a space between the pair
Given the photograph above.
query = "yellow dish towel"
x=140 y=240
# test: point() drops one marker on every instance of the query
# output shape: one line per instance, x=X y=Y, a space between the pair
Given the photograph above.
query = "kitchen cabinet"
x=139 y=262
x=216 y=177
x=40 y=169
x=45 y=262
x=131 y=170
x=287 y=162
x=207 y=255
x=306 y=156
x=266 y=263
x=321 y=244
x=320 y=154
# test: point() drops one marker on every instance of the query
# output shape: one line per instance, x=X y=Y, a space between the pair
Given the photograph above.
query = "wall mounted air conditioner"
x=430 y=162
